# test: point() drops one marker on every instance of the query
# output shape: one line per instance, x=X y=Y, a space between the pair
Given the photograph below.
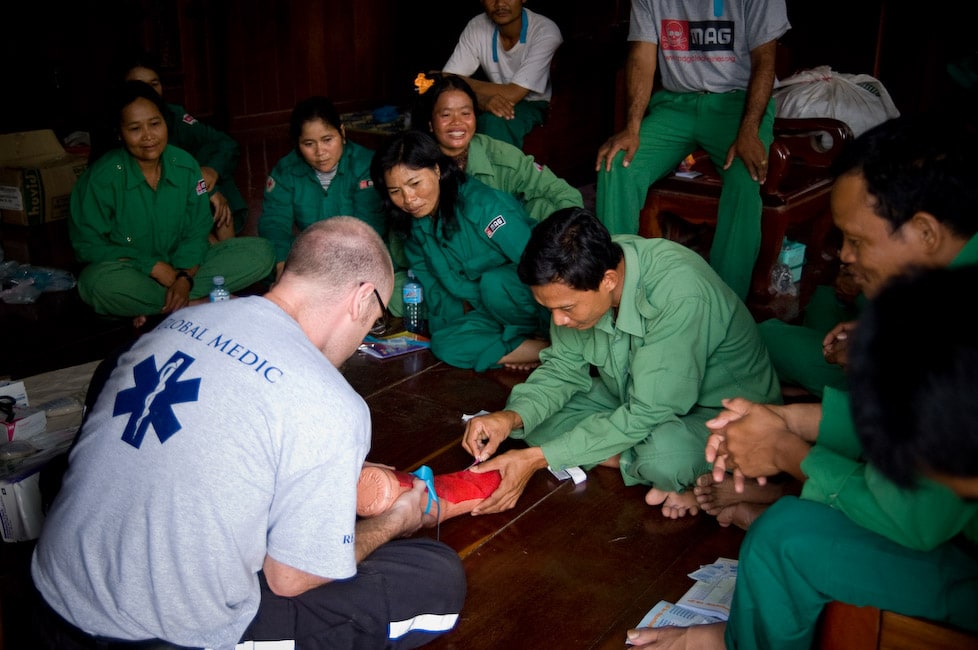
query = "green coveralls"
x=857 y=538
x=120 y=227
x=476 y=265
x=528 y=115
x=210 y=148
x=504 y=167
x=681 y=343
x=294 y=199
x=796 y=350
x=675 y=126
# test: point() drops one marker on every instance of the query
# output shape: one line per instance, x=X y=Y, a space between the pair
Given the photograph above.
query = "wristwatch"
x=183 y=274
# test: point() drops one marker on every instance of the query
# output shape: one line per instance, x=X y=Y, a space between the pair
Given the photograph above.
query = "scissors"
x=7 y=407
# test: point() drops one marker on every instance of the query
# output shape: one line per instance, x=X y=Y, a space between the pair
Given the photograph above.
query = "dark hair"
x=309 y=110
x=419 y=150
x=122 y=95
x=913 y=376
x=923 y=163
x=136 y=58
x=424 y=107
x=570 y=247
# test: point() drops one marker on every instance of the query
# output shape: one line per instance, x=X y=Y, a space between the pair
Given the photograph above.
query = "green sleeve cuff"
x=827 y=473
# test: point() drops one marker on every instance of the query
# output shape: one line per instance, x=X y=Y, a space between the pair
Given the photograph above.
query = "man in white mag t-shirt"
x=210 y=497
x=514 y=47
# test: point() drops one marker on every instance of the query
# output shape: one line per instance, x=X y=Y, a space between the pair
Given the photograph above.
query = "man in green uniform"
x=887 y=518
x=928 y=225
x=904 y=197
x=668 y=339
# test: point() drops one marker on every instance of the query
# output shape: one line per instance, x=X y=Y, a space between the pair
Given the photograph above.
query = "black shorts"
x=405 y=594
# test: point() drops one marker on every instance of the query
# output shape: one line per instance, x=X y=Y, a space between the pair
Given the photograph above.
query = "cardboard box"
x=21 y=512
x=21 y=516
x=36 y=177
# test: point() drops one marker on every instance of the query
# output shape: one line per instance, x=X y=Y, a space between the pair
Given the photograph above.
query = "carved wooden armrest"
x=815 y=140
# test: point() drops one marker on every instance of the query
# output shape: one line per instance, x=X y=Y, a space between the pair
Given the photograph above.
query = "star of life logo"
x=151 y=400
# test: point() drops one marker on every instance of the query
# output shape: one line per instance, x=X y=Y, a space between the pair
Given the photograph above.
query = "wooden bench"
x=847 y=627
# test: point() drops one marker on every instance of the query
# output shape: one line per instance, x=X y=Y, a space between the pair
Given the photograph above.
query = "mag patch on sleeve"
x=189 y=119
x=538 y=166
x=495 y=225
x=366 y=184
x=201 y=187
x=269 y=184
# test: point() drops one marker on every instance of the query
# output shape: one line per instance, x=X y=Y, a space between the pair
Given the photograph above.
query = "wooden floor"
x=569 y=567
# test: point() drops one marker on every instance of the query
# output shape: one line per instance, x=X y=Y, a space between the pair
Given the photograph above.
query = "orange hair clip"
x=422 y=83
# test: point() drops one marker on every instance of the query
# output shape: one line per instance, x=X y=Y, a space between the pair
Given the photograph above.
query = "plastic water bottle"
x=413 y=299
x=218 y=292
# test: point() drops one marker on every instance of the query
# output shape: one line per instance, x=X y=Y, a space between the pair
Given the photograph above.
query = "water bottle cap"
x=218 y=279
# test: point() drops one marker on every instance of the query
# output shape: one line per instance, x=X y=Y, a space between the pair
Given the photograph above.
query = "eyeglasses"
x=380 y=326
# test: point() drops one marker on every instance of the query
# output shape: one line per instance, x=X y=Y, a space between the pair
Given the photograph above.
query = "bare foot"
x=741 y=515
x=674 y=504
x=522 y=367
x=526 y=356
x=614 y=461
x=711 y=495
x=708 y=636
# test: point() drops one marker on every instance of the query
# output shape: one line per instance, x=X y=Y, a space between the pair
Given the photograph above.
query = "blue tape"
x=425 y=474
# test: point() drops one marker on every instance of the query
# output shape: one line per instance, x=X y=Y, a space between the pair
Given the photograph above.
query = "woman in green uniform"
x=324 y=176
x=215 y=151
x=463 y=241
x=140 y=221
x=447 y=110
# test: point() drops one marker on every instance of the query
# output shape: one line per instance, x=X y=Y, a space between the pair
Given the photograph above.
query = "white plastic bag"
x=859 y=100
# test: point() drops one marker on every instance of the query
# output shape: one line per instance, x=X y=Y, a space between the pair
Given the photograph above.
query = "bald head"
x=339 y=253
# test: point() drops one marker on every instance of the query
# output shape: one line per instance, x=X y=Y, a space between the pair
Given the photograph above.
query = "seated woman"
x=448 y=110
x=140 y=221
x=215 y=151
x=463 y=241
x=324 y=176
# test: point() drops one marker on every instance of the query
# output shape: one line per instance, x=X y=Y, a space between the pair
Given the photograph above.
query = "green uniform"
x=476 y=265
x=857 y=538
x=120 y=228
x=681 y=342
x=294 y=198
x=504 y=167
x=677 y=124
x=210 y=148
x=796 y=350
x=527 y=114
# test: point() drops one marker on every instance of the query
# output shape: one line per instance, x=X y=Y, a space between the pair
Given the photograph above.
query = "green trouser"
x=796 y=350
x=507 y=316
x=528 y=115
x=800 y=555
x=669 y=462
x=676 y=125
x=117 y=288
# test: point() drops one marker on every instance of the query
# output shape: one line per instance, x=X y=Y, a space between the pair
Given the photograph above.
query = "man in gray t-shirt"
x=716 y=61
x=210 y=496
